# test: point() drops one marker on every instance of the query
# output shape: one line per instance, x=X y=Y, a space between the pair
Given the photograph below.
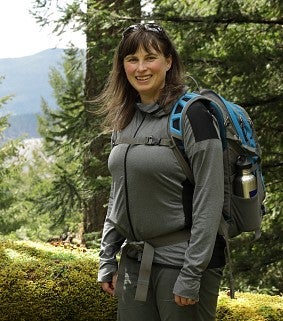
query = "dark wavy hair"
x=117 y=99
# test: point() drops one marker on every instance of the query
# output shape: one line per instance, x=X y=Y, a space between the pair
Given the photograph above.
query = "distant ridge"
x=27 y=79
x=24 y=126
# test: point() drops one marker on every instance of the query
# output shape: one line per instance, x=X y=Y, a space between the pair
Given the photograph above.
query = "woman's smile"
x=143 y=78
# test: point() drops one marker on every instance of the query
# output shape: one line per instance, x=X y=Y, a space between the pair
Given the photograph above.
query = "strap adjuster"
x=150 y=140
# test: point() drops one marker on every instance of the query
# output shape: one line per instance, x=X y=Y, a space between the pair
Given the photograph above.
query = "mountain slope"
x=24 y=125
x=27 y=79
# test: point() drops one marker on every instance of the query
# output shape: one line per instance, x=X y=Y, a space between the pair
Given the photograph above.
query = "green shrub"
x=42 y=282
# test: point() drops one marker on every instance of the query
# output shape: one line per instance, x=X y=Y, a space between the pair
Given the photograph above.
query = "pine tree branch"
x=209 y=19
x=226 y=20
x=262 y=102
x=272 y=165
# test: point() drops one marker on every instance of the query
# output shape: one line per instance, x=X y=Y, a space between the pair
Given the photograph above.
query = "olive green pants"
x=160 y=304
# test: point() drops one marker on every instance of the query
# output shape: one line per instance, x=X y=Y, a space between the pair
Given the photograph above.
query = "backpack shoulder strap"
x=176 y=126
x=175 y=131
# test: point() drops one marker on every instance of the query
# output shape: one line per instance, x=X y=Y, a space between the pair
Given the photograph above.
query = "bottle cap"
x=243 y=163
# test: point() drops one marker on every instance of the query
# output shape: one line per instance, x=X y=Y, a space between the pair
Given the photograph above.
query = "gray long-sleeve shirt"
x=150 y=190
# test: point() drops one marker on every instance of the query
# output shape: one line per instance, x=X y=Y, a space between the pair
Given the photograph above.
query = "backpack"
x=239 y=141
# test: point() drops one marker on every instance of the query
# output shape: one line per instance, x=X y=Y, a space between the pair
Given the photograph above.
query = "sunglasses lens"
x=154 y=27
x=148 y=27
x=130 y=29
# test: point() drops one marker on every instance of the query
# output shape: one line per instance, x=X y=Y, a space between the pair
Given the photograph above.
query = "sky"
x=20 y=35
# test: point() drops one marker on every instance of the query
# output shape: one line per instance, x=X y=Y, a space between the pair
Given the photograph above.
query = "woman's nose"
x=142 y=66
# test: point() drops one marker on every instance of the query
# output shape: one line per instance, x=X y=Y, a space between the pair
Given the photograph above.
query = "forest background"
x=233 y=47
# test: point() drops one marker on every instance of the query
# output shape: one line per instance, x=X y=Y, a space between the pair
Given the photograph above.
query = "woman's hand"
x=109 y=287
x=181 y=301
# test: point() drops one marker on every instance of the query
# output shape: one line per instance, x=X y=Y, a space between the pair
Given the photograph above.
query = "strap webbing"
x=224 y=231
x=169 y=239
x=182 y=161
x=144 y=273
x=149 y=140
x=146 y=261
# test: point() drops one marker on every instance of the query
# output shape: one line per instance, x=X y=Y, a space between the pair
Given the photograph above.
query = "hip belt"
x=147 y=248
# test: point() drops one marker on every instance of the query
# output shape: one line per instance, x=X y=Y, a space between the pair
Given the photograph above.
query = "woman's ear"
x=169 y=62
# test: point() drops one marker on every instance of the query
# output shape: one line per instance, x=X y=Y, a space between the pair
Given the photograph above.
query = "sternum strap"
x=149 y=140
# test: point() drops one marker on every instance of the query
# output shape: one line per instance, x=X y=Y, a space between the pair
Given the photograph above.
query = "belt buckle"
x=138 y=245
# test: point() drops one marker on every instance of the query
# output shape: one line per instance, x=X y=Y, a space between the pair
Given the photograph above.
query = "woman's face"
x=146 y=72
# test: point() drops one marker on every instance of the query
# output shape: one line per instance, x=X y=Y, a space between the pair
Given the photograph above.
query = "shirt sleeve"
x=204 y=151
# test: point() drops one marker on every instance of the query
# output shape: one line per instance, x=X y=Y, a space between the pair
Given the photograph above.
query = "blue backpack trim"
x=242 y=125
x=238 y=119
x=175 y=121
x=176 y=118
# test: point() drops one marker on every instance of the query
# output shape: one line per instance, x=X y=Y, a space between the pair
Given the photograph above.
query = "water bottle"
x=245 y=184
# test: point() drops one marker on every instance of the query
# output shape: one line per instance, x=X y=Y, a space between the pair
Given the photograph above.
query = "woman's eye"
x=151 y=58
x=133 y=59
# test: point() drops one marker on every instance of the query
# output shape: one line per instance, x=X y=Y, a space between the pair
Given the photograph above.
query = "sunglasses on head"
x=143 y=26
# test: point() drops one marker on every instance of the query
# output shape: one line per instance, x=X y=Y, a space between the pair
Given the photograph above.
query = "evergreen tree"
x=63 y=129
x=10 y=168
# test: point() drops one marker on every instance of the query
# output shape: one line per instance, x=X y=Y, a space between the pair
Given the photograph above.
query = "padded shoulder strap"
x=175 y=131
x=176 y=126
x=176 y=116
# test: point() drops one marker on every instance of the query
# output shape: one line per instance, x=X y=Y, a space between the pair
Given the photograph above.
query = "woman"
x=172 y=256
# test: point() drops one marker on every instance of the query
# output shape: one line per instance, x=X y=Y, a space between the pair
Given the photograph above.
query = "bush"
x=42 y=282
